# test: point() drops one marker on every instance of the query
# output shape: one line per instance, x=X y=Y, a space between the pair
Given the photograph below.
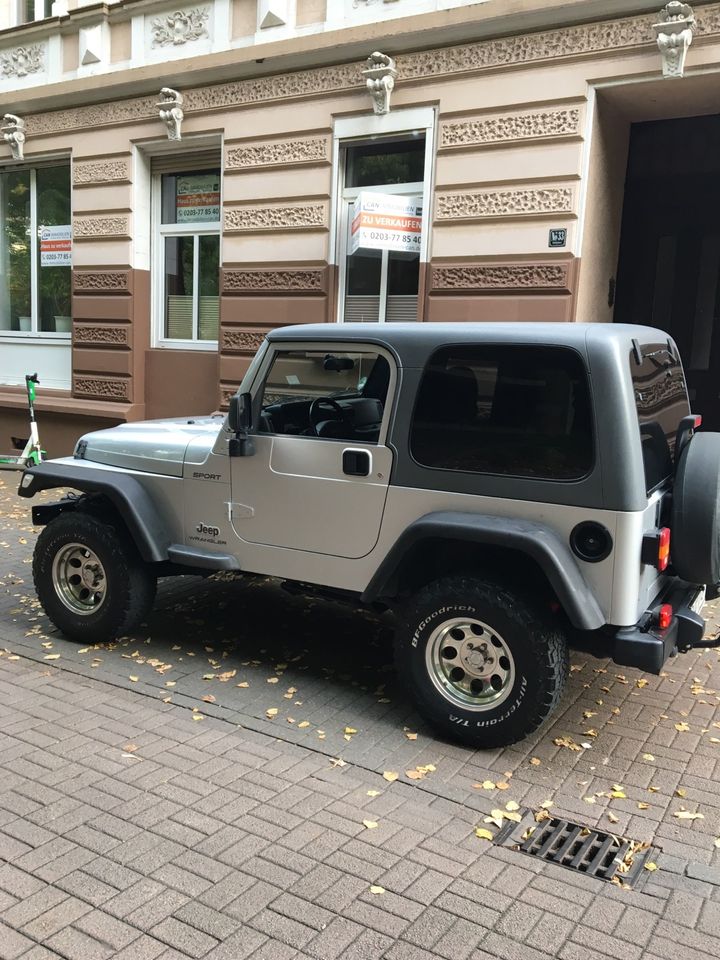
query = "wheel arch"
x=448 y=542
x=131 y=503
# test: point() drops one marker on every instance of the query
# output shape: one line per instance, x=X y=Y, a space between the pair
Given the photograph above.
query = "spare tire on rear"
x=695 y=545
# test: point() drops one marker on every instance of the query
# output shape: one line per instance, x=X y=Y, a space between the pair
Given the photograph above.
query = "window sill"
x=14 y=336
x=206 y=346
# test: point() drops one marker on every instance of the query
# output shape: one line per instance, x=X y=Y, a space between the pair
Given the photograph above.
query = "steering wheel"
x=315 y=407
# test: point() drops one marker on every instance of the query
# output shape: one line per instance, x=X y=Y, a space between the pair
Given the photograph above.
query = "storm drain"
x=578 y=847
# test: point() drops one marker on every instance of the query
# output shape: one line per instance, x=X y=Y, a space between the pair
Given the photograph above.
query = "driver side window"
x=338 y=395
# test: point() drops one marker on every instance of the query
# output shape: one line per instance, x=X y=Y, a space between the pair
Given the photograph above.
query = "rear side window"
x=661 y=402
x=523 y=411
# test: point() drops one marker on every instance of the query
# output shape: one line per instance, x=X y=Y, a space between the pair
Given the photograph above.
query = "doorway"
x=669 y=264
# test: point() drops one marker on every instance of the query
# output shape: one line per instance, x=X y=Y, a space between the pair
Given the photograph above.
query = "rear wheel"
x=483 y=665
x=90 y=579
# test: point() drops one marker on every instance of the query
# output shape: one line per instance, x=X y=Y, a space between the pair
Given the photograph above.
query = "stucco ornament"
x=13 y=131
x=171 y=112
x=674 y=36
x=22 y=60
x=380 y=76
x=180 y=27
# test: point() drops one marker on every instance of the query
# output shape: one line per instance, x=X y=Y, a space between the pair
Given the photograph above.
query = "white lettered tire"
x=483 y=665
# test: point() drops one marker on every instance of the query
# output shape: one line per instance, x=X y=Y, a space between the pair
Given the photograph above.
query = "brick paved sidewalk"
x=131 y=830
x=237 y=835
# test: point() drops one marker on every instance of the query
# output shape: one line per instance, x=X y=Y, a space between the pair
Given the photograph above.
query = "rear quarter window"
x=661 y=401
x=521 y=411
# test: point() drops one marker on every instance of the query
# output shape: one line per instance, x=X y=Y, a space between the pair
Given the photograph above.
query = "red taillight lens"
x=665 y=616
x=663 y=557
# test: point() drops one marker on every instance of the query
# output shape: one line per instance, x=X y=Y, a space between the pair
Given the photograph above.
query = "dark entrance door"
x=669 y=268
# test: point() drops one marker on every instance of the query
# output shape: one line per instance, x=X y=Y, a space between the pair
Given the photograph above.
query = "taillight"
x=665 y=616
x=663 y=554
x=656 y=548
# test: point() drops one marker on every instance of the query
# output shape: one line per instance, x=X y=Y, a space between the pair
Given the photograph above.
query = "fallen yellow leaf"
x=349 y=731
x=686 y=815
x=652 y=867
x=303 y=724
x=134 y=679
x=390 y=776
x=244 y=684
x=483 y=834
x=55 y=656
x=373 y=793
x=611 y=817
x=375 y=889
x=370 y=824
x=649 y=757
x=511 y=805
x=535 y=762
x=271 y=712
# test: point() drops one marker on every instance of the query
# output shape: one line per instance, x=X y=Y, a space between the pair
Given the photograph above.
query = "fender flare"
x=535 y=540
x=126 y=493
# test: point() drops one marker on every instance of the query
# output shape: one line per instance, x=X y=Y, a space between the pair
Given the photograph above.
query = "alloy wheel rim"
x=79 y=579
x=470 y=664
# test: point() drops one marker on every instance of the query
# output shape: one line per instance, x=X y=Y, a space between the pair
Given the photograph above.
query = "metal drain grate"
x=578 y=848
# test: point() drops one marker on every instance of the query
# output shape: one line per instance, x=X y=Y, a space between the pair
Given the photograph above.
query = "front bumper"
x=647 y=647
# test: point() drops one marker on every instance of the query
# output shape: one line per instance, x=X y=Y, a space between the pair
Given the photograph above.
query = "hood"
x=153 y=446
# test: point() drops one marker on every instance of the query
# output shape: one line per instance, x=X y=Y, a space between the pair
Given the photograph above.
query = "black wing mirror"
x=240 y=422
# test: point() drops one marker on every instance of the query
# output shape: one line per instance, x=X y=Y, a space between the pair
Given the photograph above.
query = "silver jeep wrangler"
x=508 y=490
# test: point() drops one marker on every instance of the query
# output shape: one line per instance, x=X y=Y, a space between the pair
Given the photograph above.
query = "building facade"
x=177 y=179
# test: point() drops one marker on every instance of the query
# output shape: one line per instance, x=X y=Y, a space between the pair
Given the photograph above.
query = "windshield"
x=661 y=402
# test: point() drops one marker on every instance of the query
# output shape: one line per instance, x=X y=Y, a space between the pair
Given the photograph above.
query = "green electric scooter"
x=31 y=453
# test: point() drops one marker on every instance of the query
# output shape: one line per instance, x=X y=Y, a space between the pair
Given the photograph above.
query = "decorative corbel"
x=171 y=112
x=380 y=73
x=674 y=35
x=13 y=133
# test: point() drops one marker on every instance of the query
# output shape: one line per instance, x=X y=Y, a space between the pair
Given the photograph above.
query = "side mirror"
x=240 y=421
x=240 y=414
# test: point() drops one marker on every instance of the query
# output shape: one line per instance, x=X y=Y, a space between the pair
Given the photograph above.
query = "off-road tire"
x=695 y=544
x=129 y=584
x=538 y=648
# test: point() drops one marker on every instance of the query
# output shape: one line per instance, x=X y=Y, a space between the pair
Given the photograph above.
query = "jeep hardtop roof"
x=413 y=342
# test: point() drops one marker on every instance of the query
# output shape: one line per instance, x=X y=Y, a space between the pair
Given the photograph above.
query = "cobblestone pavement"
x=204 y=787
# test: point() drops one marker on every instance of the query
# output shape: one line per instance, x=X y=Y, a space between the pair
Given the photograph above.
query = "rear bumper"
x=647 y=647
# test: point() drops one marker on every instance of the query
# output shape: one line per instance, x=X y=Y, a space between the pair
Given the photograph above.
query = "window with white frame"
x=187 y=256
x=379 y=267
x=35 y=251
x=31 y=10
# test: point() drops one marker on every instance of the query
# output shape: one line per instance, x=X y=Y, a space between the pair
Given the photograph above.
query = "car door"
x=318 y=479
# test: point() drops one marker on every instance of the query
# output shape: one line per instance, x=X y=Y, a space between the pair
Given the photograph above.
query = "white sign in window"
x=382 y=221
x=198 y=198
x=56 y=246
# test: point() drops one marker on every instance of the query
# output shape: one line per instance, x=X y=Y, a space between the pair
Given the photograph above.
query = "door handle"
x=356 y=463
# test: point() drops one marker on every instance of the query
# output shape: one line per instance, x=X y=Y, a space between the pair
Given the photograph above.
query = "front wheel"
x=90 y=579
x=483 y=665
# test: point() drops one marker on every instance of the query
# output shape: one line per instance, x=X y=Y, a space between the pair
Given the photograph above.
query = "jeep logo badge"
x=210 y=531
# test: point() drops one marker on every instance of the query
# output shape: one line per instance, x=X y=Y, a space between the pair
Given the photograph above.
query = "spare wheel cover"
x=695 y=543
